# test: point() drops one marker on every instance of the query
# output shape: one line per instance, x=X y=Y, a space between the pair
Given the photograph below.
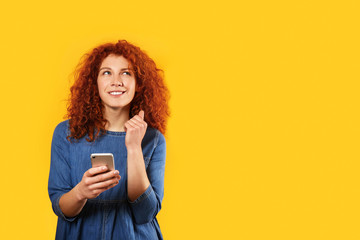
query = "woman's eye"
x=106 y=72
x=126 y=73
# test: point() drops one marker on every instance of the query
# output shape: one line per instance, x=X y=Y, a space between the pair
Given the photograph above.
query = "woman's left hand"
x=135 y=130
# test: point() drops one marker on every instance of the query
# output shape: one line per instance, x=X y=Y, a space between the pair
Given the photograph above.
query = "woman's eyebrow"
x=123 y=69
x=105 y=68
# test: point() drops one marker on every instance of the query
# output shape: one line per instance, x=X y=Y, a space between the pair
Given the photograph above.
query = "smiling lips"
x=116 y=93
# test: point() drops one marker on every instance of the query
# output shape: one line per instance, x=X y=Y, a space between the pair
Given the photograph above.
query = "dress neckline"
x=115 y=133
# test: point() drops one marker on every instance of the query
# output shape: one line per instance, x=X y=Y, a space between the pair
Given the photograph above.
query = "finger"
x=97 y=192
x=111 y=186
x=131 y=124
x=98 y=186
x=103 y=177
x=141 y=114
x=93 y=171
x=100 y=190
x=104 y=184
x=140 y=125
x=138 y=118
x=137 y=122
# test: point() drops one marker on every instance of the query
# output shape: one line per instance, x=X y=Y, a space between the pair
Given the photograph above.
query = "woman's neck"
x=116 y=119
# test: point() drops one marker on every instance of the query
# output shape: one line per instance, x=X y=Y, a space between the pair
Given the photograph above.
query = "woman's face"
x=116 y=82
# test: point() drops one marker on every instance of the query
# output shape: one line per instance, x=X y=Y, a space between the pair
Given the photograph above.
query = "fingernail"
x=103 y=168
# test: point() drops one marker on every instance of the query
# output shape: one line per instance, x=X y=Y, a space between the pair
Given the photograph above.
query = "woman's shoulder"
x=62 y=129
x=154 y=135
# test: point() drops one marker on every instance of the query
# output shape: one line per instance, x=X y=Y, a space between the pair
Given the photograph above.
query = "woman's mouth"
x=116 y=93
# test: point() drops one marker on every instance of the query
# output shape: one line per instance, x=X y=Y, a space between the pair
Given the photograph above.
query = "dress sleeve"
x=60 y=176
x=146 y=207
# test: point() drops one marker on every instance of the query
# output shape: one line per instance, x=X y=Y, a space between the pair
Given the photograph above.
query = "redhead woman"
x=118 y=105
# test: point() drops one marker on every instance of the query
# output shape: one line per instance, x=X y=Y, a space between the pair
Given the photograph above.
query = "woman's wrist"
x=77 y=193
x=133 y=149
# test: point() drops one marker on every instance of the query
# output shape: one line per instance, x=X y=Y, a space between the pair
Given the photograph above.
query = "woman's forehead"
x=115 y=58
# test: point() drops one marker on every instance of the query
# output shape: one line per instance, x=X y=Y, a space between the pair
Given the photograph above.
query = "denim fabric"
x=111 y=215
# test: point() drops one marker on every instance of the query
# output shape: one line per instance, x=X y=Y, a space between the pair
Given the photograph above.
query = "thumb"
x=141 y=114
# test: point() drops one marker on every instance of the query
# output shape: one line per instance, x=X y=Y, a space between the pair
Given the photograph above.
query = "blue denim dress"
x=111 y=215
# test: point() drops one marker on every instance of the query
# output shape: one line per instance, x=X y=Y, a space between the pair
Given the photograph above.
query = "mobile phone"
x=103 y=159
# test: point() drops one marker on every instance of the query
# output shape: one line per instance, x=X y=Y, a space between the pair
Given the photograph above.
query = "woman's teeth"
x=116 y=93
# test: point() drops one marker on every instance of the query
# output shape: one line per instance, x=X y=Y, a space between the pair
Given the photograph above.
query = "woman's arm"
x=147 y=205
x=138 y=181
x=147 y=185
x=67 y=200
x=94 y=182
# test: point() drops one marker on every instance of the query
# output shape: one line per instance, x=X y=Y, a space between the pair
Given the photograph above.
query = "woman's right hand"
x=95 y=181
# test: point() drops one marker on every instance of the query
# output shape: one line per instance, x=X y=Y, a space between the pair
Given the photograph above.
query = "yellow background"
x=263 y=141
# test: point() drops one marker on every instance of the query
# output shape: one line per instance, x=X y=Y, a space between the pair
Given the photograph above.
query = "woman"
x=118 y=105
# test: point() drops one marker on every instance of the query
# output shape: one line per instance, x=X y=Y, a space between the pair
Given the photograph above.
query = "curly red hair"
x=85 y=106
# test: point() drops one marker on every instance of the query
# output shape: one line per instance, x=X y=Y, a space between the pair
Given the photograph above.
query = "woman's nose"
x=117 y=81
